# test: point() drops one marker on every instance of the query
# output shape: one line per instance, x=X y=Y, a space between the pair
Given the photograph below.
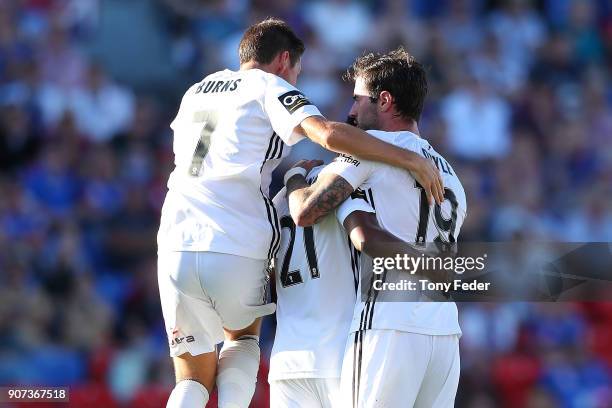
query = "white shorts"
x=390 y=368
x=305 y=393
x=203 y=292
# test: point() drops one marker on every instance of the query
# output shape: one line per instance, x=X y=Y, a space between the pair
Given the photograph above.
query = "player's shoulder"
x=244 y=84
x=412 y=141
x=253 y=76
x=262 y=83
x=217 y=74
x=258 y=75
x=270 y=78
x=383 y=135
x=405 y=139
x=206 y=85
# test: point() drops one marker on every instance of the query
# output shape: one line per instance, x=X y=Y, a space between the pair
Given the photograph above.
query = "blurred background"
x=520 y=103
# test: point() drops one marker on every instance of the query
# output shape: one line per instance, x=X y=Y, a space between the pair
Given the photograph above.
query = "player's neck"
x=252 y=65
x=269 y=68
x=398 y=125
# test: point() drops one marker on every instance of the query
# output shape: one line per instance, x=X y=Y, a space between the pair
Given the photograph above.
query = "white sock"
x=237 y=372
x=188 y=394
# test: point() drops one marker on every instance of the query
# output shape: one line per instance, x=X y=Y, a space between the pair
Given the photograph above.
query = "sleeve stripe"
x=353 y=264
x=273 y=146
x=276 y=140
x=273 y=220
x=371 y=202
x=282 y=146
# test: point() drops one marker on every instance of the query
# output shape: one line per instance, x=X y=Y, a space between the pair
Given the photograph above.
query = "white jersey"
x=231 y=131
x=316 y=281
x=401 y=208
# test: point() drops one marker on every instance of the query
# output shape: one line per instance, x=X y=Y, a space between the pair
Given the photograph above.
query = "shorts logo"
x=176 y=340
x=293 y=100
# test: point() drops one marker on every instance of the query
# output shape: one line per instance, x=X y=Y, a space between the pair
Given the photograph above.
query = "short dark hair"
x=263 y=41
x=396 y=72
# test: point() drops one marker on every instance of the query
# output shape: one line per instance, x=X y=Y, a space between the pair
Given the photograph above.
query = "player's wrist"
x=411 y=160
x=294 y=171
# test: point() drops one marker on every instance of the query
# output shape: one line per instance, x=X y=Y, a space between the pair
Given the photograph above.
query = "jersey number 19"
x=445 y=226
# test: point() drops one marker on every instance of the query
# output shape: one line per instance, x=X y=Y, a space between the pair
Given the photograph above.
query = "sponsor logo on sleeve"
x=345 y=158
x=293 y=100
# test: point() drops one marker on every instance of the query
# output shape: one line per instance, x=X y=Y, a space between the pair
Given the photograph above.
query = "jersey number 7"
x=209 y=121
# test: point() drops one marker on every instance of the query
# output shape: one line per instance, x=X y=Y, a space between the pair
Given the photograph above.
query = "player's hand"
x=428 y=176
x=308 y=164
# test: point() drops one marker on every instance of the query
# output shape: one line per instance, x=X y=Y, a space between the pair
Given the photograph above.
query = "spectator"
x=519 y=30
x=61 y=63
x=341 y=25
x=19 y=143
x=478 y=122
x=101 y=108
x=520 y=102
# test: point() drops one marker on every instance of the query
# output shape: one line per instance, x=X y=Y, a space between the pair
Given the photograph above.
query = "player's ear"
x=277 y=64
x=385 y=101
x=285 y=60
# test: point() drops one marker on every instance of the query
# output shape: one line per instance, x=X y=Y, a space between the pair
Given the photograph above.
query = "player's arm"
x=308 y=204
x=369 y=237
x=347 y=139
x=292 y=117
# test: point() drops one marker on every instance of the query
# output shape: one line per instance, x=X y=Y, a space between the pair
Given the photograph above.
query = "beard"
x=367 y=123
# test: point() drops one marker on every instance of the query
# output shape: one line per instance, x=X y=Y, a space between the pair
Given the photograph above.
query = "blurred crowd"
x=520 y=102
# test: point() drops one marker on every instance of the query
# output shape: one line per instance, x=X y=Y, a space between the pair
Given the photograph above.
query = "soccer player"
x=399 y=353
x=218 y=224
x=316 y=281
x=316 y=275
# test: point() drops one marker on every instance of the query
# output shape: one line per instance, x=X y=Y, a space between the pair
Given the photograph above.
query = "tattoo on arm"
x=331 y=196
x=316 y=201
